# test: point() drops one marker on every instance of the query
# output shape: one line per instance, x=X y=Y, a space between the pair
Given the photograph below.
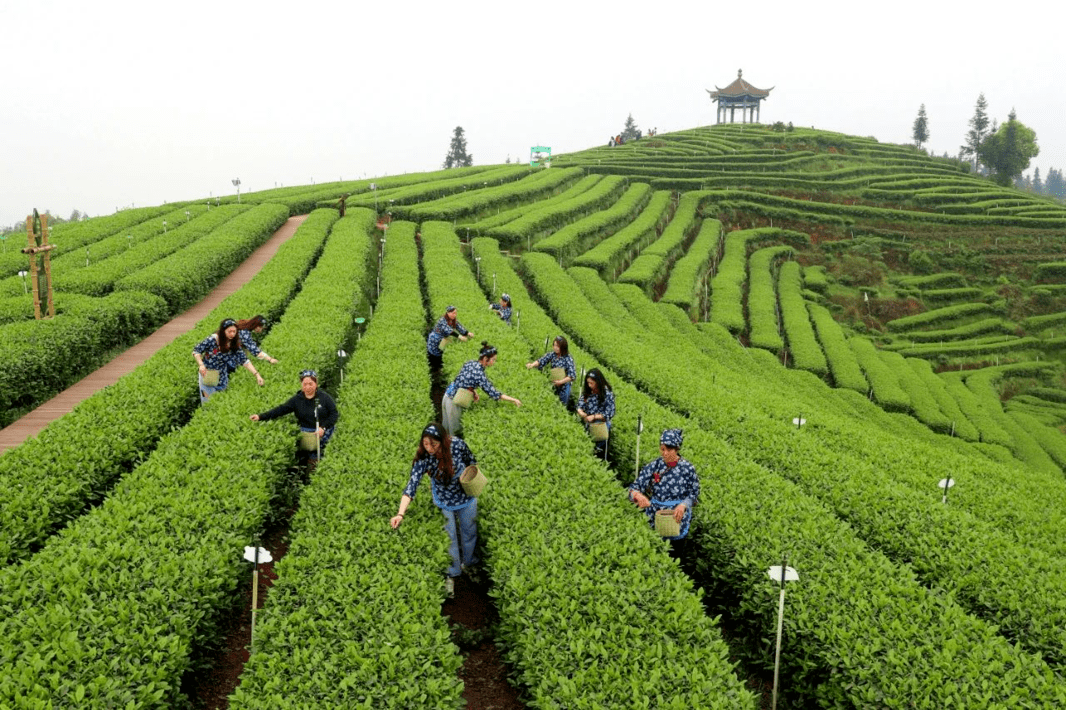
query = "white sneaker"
x=449 y=586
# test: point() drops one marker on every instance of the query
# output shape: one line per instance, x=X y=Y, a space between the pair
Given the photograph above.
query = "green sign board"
x=540 y=154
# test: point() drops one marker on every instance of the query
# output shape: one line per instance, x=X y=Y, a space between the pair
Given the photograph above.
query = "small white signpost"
x=341 y=354
x=255 y=555
x=781 y=574
x=946 y=483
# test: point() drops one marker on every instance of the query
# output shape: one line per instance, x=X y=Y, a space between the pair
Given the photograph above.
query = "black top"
x=304 y=409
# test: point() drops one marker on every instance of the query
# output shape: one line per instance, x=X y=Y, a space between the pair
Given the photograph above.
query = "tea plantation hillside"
x=838 y=325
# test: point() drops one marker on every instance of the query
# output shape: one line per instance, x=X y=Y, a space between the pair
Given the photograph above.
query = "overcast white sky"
x=109 y=104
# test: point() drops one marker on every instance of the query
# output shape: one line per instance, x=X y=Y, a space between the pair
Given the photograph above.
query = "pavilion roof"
x=739 y=88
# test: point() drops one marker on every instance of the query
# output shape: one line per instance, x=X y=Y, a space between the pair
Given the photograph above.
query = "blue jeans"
x=467 y=523
x=564 y=393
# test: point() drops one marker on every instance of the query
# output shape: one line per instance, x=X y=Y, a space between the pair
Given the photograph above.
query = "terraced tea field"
x=726 y=280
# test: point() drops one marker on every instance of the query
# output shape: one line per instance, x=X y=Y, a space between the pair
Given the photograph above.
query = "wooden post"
x=40 y=263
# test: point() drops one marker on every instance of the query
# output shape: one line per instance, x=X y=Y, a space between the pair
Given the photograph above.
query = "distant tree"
x=1038 y=184
x=457 y=156
x=920 y=131
x=1054 y=185
x=978 y=130
x=1008 y=150
x=629 y=131
x=508 y=161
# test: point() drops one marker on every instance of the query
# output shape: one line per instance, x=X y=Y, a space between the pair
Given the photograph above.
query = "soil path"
x=33 y=422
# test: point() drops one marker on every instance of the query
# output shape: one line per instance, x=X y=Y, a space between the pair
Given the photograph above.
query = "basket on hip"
x=211 y=378
x=464 y=397
x=473 y=481
x=558 y=373
x=307 y=441
x=665 y=524
x=599 y=431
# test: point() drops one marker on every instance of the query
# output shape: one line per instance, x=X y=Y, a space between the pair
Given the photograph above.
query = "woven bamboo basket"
x=665 y=524
x=473 y=481
x=598 y=431
x=307 y=441
x=558 y=373
x=211 y=378
x=463 y=398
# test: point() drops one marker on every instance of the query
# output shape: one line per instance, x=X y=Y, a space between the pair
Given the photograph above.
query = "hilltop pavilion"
x=739 y=95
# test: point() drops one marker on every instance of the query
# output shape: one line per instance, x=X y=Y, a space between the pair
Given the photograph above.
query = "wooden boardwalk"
x=33 y=422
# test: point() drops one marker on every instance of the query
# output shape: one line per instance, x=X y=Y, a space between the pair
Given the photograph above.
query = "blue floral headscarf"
x=672 y=438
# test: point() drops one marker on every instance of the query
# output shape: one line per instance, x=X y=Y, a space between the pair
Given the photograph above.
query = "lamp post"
x=186 y=215
x=164 y=226
x=25 y=288
x=237 y=184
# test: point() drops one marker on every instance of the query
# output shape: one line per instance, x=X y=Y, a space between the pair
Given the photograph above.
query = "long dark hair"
x=601 y=384
x=564 y=347
x=445 y=469
x=251 y=323
x=227 y=345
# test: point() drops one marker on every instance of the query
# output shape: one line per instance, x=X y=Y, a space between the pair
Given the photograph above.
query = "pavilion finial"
x=740 y=73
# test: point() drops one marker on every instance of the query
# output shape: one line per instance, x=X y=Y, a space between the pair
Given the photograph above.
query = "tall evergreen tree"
x=457 y=156
x=1054 y=185
x=978 y=130
x=1007 y=152
x=920 y=130
x=1038 y=184
x=629 y=131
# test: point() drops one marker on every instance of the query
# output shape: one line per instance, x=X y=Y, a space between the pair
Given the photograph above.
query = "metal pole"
x=780 y=627
x=640 y=428
x=318 y=439
x=255 y=590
